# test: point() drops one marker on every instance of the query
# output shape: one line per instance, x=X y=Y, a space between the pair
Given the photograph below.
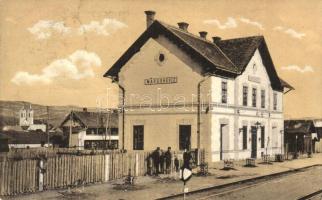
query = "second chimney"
x=149 y=17
x=216 y=39
x=203 y=34
x=183 y=26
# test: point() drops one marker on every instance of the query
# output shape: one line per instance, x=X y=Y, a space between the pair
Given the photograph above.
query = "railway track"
x=314 y=195
x=209 y=192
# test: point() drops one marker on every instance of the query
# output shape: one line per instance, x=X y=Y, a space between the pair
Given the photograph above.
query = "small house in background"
x=300 y=136
x=91 y=130
x=20 y=139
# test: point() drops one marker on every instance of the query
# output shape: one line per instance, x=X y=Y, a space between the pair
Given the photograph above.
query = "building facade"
x=184 y=91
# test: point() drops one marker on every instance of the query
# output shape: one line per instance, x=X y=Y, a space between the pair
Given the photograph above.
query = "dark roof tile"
x=240 y=50
x=208 y=49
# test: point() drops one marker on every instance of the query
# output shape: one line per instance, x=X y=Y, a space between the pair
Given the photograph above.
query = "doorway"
x=254 y=141
x=184 y=137
x=224 y=140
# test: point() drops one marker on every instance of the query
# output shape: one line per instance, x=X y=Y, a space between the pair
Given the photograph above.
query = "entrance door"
x=254 y=142
x=224 y=140
x=184 y=137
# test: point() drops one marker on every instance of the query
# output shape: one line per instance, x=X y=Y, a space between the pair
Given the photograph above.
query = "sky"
x=55 y=52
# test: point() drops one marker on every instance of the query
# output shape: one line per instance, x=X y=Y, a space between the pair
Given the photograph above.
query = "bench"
x=250 y=162
x=266 y=158
x=279 y=157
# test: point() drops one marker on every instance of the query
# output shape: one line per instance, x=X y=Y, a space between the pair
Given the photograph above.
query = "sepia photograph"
x=161 y=99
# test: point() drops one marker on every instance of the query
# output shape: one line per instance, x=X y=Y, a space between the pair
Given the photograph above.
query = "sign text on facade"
x=162 y=80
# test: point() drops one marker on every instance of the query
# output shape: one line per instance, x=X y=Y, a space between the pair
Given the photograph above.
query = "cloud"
x=253 y=23
x=304 y=69
x=230 y=23
x=76 y=66
x=44 y=29
x=289 y=31
x=105 y=27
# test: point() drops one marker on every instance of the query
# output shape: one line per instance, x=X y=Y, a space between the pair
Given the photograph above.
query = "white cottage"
x=91 y=130
x=184 y=91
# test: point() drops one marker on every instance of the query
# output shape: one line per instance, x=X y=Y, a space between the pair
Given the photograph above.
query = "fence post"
x=136 y=164
x=41 y=176
x=107 y=167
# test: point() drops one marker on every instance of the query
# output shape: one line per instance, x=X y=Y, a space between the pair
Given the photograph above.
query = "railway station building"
x=182 y=90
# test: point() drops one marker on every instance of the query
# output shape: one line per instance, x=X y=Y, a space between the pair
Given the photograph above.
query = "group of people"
x=160 y=161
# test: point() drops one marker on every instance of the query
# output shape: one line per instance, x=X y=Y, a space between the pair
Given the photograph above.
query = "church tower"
x=26 y=116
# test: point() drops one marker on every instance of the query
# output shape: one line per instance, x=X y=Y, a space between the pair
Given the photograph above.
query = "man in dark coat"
x=162 y=160
x=168 y=159
x=156 y=160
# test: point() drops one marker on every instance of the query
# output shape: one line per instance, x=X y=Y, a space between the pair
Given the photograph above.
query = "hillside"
x=9 y=112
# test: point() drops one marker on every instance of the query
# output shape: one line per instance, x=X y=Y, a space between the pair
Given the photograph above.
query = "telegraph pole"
x=70 y=128
x=47 y=126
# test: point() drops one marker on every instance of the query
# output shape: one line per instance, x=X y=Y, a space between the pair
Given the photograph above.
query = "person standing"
x=150 y=164
x=162 y=159
x=176 y=163
x=168 y=159
x=186 y=159
x=156 y=160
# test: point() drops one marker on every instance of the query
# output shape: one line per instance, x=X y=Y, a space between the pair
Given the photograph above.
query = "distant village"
x=79 y=130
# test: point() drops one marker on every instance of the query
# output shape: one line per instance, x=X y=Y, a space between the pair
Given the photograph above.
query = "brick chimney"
x=203 y=34
x=216 y=39
x=183 y=26
x=149 y=17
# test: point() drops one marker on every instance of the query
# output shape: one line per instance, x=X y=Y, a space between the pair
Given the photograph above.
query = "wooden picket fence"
x=18 y=177
x=70 y=170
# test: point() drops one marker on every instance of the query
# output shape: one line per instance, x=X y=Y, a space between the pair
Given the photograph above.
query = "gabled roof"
x=94 y=119
x=202 y=51
x=241 y=50
x=228 y=58
x=206 y=48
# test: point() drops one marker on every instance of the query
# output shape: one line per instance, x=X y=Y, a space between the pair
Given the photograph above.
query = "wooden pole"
x=70 y=128
x=47 y=126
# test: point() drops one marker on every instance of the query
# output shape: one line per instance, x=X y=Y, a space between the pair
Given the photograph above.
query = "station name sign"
x=161 y=80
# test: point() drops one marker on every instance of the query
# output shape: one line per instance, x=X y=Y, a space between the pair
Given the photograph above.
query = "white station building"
x=185 y=91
